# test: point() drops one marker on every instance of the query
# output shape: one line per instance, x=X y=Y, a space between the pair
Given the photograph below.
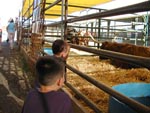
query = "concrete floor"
x=13 y=83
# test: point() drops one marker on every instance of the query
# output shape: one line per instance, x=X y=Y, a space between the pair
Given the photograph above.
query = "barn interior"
x=109 y=46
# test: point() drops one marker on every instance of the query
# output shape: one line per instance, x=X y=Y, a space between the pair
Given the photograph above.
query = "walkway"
x=13 y=81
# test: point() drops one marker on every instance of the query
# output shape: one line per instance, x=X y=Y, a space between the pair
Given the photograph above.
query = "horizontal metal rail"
x=84 y=98
x=52 y=35
x=105 y=27
x=140 y=108
x=54 y=24
x=59 y=15
x=130 y=102
x=140 y=7
x=132 y=59
x=53 y=4
x=28 y=18
x=79 y=6
x=138 y=60
x=28 y=10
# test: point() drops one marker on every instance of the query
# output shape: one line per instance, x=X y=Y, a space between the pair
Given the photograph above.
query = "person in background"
x=11 y=28
x=48 y=98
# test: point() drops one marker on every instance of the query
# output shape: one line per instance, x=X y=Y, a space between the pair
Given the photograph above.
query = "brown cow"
x=125 y=48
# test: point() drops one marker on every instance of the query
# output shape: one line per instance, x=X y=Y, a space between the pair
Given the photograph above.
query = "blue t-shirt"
x=56 y=102
x=11 y=27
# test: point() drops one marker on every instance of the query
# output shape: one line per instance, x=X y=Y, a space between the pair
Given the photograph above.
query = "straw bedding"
x=105 y=73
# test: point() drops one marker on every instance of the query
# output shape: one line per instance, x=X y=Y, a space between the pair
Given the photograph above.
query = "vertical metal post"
x=62 y=18
x=133 y=33
x=87 y=25
x=108 y=27
x=42 y=17
x=147 y=29
x=20 y=26
x=29 y=27
x=136 y=32
x=114 y=28
x=99 y=30
x=66 y=15
x=92 y=28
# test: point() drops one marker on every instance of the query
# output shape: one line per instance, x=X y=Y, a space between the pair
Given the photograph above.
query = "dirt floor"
x=103 y=72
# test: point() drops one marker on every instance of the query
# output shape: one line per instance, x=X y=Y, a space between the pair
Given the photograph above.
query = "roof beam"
x=53 y=4
x=140 y=7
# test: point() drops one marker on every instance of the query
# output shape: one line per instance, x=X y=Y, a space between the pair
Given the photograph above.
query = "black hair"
x=11 y=21
x=48 y=69
x=59 y=46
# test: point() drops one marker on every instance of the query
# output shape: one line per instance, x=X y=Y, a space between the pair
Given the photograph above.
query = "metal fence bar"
x=138 y=60
x=51 y=5
x=84 y=98
x=140 y=108
x=140 y=7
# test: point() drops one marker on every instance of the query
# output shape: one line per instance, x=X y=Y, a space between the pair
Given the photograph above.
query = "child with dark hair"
x=48 y=98
x=61 y=49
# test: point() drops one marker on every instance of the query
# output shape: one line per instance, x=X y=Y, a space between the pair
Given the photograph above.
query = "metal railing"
x=140 y=61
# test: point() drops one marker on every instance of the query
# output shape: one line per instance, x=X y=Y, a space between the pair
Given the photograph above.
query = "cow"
x=80 y=37
x=127 y=49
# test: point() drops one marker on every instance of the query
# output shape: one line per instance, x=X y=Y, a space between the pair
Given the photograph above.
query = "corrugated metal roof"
x=57 y=8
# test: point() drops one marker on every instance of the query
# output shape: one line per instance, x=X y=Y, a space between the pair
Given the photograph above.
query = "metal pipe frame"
x=54 y=24
x=130 y=102
x=79 y=6
x=57 y=23
x=52 y=36
x=141 y=61
x=140 y=108
x=27 y=18
x=140 y=7
x=28 y=10
x=65 y=19
x=53 y=4
x=87 y=101
x=59 y=15
x=138 y=60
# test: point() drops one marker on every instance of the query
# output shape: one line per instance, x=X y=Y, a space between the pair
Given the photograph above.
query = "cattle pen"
x=43 y=21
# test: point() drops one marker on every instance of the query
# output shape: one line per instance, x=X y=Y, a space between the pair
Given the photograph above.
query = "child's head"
x=11 y=20
x=61 y=48
x=50 y=71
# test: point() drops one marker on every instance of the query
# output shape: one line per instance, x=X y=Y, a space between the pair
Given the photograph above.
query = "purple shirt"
x=56 y=102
